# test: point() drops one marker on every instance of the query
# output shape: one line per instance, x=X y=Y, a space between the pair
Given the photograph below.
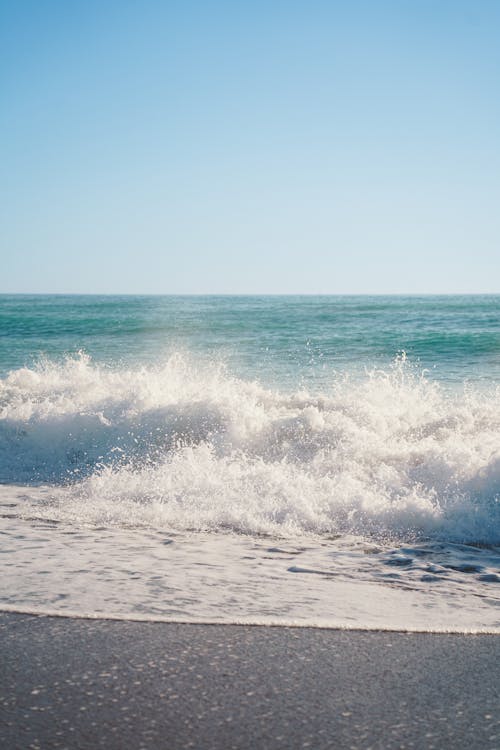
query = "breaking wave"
x=187 y=446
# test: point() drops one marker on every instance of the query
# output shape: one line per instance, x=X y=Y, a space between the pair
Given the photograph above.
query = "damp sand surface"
x=69 y=683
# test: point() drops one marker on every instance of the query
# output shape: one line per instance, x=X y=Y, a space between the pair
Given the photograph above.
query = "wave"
x=185 y=445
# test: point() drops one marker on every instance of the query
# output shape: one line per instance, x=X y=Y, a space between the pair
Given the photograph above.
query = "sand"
x=104 y=684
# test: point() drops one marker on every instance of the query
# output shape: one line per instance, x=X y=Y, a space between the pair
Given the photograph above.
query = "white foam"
x=183 y=446
x=68 y=570
x=251 y=622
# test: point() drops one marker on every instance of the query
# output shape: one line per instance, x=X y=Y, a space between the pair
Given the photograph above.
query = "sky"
x=241 y=147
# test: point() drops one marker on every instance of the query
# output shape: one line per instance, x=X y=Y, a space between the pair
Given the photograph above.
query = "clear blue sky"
x=239 y=147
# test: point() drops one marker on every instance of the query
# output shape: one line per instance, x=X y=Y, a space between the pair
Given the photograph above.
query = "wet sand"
x=105 y=684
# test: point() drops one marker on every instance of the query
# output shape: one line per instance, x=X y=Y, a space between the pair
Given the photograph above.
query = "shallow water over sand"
x=349 y=582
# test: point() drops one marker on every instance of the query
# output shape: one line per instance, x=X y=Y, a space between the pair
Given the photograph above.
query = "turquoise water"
x=330 y=460
x=279 y=340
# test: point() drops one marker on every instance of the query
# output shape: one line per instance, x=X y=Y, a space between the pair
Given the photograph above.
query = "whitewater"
x=255 y=474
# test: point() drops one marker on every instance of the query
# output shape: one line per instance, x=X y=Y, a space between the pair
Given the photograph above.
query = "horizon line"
x=249 y=294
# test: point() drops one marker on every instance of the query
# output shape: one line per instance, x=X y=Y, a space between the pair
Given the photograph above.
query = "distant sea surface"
x=329 y=461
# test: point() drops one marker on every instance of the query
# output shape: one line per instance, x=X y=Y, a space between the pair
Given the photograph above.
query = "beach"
x=75 y=683
x=249 y=523
x=250 y=376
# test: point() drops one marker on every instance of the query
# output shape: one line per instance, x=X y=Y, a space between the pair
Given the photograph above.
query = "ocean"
x=331 y=461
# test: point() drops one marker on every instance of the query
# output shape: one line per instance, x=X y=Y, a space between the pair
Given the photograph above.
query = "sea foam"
x=188 y=446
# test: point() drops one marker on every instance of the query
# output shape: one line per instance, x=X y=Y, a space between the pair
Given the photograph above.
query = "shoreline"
x=87 y=683
x=248 y=622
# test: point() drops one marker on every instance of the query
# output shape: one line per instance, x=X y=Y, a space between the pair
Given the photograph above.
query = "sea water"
x=328 y=461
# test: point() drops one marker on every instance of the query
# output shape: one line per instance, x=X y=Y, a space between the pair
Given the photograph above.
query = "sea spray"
x=184 y=446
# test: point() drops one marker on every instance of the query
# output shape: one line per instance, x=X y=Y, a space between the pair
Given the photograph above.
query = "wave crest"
x=189 y=446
